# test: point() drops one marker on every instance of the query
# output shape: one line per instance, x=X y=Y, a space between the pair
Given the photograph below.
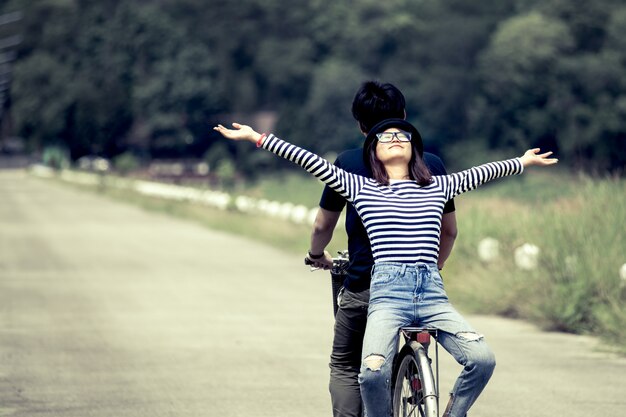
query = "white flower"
x=244 y=203
x=312 y=216
x=262 y=205
x=215 y=199
x=272 y=209
x=299 y=214
x=488 y=249
x=527 y=256
x=284 y=212
x=101 y=164
x=202 y=168
x=42 y=171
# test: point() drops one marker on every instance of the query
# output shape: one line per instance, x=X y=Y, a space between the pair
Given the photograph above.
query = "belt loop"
x=403 y=269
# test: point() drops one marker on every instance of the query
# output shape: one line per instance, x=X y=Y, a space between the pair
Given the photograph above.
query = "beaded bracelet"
x=260 y=141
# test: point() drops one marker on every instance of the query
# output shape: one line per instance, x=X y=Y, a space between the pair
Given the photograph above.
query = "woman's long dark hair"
x=418 y=171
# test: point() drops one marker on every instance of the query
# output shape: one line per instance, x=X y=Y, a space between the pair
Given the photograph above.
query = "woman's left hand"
x=533 y=157
x=240 y=132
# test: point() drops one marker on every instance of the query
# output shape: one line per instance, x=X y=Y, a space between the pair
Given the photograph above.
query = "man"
x=372 y=103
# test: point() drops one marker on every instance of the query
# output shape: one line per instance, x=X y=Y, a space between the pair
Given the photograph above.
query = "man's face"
x=394 y=145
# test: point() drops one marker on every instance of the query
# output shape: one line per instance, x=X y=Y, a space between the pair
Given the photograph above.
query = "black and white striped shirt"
x=402 y=219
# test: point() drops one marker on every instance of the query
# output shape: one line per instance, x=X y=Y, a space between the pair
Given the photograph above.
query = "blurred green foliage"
x=55 y=157
x=151 y=77
x=126 y=163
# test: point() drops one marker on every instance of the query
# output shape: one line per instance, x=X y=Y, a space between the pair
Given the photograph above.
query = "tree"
x=326 y=123
x=435 y=62
x=41 y=101
x=517 y=77
x=539 y=88
x=110 y=76
x=121 y=75
x=586 y=20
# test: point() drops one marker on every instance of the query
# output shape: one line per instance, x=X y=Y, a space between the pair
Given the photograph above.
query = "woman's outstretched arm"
x=346 y=184
x=470 y=179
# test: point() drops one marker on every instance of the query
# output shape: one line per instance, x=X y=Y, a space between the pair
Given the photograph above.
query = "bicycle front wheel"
x=415 y=393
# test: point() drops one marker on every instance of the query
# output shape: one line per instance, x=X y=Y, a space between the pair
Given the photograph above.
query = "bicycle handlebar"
x=340 y=263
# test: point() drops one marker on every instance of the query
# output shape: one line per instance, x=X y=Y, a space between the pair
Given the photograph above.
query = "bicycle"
x=414 y=386
x=414 y=389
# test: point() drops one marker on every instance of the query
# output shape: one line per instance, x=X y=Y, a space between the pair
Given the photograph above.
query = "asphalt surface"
x=107 y=310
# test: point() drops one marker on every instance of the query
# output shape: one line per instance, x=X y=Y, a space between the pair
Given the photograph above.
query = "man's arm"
x=448 y=236
x=322 y=233
x=330 y=208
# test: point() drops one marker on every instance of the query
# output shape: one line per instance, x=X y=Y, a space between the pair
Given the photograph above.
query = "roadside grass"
x=291 y=186
x=288 y=236
x=577 y=222
x=581 y=233
x=278 y=233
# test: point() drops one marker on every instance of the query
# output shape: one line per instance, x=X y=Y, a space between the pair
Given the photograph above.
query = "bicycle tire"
x=414 y=392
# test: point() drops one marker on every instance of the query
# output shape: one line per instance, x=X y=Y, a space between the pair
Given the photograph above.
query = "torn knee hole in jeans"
x=470 y=336
x=374 y=362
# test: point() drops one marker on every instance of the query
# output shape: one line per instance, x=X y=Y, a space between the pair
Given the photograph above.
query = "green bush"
x=126 y=163
x=55 y=157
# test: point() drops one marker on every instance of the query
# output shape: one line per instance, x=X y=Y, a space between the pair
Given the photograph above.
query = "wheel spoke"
x=410 y=403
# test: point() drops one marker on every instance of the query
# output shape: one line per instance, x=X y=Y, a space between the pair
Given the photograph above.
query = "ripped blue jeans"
x=413 y=294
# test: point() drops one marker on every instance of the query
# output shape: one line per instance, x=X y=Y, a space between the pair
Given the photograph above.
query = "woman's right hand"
x=533 y=157
x=240 y=132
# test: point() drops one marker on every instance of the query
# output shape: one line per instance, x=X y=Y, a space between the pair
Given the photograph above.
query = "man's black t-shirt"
x=361 y=260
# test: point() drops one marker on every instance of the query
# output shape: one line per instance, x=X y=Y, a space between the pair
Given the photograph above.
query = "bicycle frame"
x=338 y=275
x=416 y=343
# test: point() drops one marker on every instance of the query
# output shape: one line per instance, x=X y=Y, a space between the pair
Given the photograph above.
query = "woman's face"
x=396 y=150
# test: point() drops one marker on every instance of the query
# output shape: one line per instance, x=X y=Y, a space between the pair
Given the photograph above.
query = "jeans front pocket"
x=434 y=290
x=383 y=278
x=437 y=280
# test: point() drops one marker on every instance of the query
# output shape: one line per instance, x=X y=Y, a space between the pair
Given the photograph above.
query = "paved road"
x=106 y=310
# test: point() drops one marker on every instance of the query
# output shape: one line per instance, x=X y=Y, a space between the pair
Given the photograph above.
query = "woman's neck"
x=397 y=172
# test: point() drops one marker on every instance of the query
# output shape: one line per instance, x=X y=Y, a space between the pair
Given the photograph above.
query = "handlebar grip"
x=307 y=261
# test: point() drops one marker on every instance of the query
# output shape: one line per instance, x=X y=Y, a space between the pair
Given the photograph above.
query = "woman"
x=401 y=209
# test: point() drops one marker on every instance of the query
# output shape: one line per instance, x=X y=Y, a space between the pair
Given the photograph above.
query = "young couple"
x=401 y=228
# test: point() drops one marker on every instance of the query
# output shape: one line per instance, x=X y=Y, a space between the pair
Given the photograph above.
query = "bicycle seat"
x=416 y=329
x=419 y=334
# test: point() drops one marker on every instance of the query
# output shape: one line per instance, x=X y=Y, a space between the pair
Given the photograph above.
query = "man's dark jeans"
x=345 y=359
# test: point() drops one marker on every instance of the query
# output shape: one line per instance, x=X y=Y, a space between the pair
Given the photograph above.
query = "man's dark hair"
x=375 y=102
